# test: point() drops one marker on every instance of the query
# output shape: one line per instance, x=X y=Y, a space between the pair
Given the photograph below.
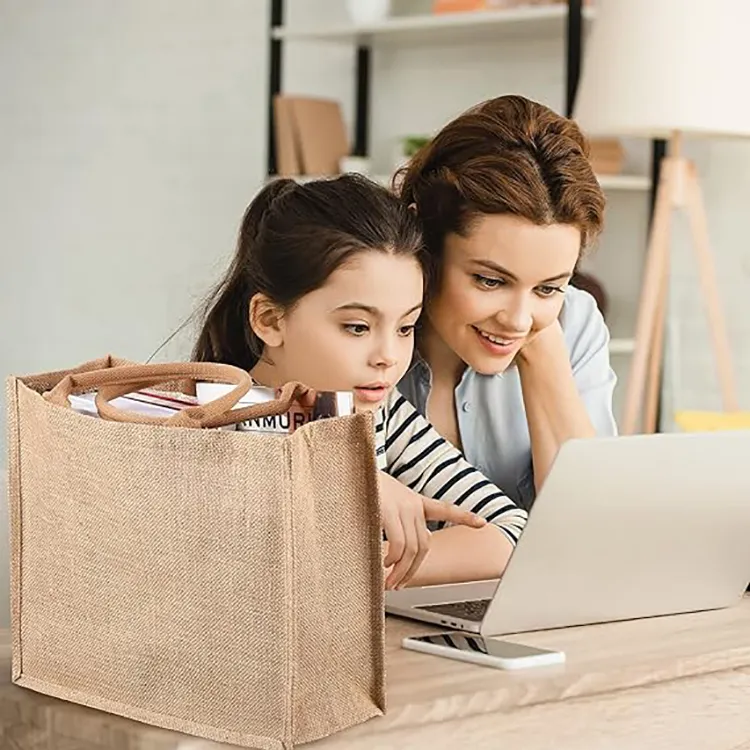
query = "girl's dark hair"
x=292 y=238
x=508 y=155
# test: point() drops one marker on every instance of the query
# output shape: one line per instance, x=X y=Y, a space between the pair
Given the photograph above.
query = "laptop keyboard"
x=472 y=610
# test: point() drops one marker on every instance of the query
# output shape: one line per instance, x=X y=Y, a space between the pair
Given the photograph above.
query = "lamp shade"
x=651 y=67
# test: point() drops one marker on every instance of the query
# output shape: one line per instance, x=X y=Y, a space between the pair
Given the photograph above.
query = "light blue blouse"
x=490 y=409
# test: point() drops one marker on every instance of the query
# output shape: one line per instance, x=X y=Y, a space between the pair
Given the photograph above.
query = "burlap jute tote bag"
x=220 y=583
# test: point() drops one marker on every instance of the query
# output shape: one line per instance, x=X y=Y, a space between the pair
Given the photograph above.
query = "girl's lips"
x=371 y=393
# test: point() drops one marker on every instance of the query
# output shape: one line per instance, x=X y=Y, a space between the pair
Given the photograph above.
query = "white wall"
x=132 y=135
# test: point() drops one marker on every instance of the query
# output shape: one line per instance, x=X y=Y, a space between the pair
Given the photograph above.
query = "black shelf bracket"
x=363 y=86
x=274 y=80
x=573 y=53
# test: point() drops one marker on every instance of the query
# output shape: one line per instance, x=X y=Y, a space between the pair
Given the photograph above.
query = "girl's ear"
x=266 y=320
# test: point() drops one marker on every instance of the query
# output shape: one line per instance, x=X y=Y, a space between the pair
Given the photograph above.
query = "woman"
x=512 y=360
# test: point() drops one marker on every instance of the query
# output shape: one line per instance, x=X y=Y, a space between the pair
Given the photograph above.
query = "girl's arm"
x=457 y=554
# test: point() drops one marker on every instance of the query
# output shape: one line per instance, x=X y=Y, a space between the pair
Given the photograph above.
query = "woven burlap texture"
x=223 y=584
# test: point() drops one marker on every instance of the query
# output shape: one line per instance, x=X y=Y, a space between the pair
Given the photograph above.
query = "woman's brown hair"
x=508 y=155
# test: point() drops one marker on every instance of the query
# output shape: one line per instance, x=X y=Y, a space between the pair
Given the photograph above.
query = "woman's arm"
x=554 y=409
x=566 y=394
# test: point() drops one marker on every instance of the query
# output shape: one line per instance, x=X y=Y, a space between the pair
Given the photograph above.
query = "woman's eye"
x=548 y=291
x=488 y=282
x=356 y=329
x=406 y=330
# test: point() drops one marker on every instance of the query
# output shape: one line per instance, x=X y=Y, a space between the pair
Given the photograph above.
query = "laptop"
x=623 y=528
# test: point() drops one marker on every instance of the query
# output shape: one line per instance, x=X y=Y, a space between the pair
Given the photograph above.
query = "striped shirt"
x=410 y=449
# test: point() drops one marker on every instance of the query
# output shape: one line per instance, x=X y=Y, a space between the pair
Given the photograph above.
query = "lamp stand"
x=678 y=188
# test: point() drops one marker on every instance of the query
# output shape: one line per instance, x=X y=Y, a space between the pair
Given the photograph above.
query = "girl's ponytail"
x=293 y=237
x=226 y=335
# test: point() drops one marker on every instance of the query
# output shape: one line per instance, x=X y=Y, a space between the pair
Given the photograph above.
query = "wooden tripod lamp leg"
x=709 y=287
x=653 y=382
x=678 y=174
x=654 y=282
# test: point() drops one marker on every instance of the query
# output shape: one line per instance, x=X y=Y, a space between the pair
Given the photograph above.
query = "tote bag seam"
x=14 y=480
x=377 y=612
x=289 y=578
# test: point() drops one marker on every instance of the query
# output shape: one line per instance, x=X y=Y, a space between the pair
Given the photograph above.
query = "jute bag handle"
x=112 y=382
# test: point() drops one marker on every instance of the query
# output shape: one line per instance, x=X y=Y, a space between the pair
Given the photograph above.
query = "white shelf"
x=625 y=182
x=538 y=20
x=621 y=346
x=381 y=179
x=607 y=181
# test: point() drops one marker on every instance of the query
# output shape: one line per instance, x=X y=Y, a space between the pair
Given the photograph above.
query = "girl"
x=326 y=288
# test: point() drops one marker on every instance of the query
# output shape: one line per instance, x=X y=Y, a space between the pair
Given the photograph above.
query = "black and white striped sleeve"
x=420 y=458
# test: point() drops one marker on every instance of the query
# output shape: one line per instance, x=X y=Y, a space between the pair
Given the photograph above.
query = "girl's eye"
x=548 y=291
x=487 y=282
x=406 y=330
x=356 y=329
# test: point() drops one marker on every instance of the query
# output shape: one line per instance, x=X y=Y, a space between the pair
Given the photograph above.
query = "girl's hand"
x=404 y=519
x=388 y=568
x=404 y=516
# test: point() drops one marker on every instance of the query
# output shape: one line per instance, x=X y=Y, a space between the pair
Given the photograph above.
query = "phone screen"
x=489 y=646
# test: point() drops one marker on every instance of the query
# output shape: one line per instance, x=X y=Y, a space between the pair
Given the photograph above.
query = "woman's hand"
x=404 y=518
x=540 y=341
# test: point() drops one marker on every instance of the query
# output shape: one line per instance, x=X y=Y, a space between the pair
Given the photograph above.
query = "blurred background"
x=133 y=134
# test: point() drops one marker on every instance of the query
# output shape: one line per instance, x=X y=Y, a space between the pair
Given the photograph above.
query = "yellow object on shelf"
x=458 y=6
x=712 y=421
x=463 y=6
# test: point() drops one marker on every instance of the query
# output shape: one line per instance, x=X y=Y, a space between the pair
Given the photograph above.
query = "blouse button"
x=465 y=407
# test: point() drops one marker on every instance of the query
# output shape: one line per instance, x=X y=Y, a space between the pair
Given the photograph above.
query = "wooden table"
x=676 y=682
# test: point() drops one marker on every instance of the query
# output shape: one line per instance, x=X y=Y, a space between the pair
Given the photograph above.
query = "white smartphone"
x=489 y=652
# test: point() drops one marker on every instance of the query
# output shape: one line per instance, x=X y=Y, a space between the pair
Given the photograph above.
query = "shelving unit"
x=545 y=24
x=541 y=20
x=635 y=183
x=457 y=28
x=621 y=346
x=534 y=21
